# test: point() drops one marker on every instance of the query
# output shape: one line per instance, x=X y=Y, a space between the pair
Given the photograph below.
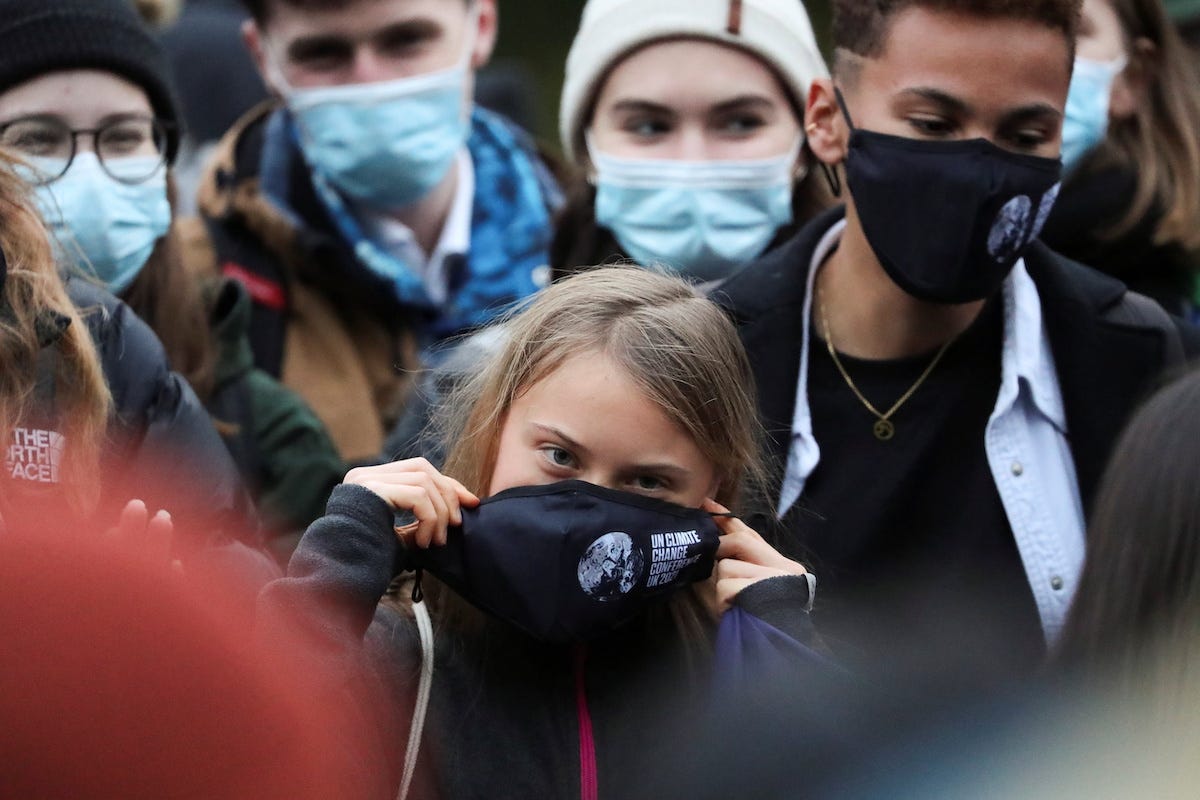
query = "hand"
x=743 y=559
x=415 y=486
x=149 y=536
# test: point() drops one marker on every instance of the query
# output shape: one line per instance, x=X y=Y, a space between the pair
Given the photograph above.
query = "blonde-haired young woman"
x=573 y=614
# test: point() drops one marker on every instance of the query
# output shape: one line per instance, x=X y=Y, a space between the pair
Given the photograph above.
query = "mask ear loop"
x=831 y=174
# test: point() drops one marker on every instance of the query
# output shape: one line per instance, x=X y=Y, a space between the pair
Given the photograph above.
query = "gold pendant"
x=884 y=430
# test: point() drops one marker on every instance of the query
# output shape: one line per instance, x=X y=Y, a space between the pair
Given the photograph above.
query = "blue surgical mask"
x=1086 y=121
x=108 y=227
x=387 y=144
x=703 y=219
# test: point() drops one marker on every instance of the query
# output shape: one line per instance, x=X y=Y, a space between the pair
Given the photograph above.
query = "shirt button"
x=1017 y=469
x=1056 y=583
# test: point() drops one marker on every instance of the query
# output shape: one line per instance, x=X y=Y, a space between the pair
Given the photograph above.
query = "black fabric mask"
x=570 y=561
x=947 y=219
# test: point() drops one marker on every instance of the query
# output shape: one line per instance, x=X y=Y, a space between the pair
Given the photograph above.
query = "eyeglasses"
x=131 y=149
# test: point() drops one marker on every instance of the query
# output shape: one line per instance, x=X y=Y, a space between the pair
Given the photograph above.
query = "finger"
x=746 y=545
x=424 y=509
x=713 y=507
x=729 y=589
x=407 y=533
x=375 y=472
x=415 y=499
x=725 y=520
x=453 y=491
x=735 y=568
x=440 y=508
x=157 y=538
x=130 y=523
x=465 y=496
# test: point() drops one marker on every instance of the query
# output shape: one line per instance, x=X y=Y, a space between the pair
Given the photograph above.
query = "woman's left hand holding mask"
x=743 y=558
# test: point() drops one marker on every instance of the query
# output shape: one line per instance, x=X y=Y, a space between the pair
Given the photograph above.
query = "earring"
x=810 y=127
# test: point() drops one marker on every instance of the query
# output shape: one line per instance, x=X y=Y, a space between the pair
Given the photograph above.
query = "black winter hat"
x=42 y=36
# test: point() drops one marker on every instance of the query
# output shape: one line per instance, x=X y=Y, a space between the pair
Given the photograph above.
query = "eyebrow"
x=947 y=101
x=1031 y=112
x=416 y=27
x=123 y=116
x=560 y=434
x=308 y=46
x=952 y=103
x=669 y=469
x=743 y=101
x=641 y=106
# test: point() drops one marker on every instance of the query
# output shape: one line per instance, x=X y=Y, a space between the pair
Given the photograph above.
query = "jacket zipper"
x=588 y=784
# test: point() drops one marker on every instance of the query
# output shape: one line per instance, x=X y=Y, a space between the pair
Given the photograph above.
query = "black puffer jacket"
x=161 y=442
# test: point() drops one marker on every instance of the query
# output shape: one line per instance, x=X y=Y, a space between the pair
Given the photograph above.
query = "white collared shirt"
x=397 y=239
x=1025 y=440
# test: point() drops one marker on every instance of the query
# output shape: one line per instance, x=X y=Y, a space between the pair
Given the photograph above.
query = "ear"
x=252 y=38
x=485 y=36
x=1130 y=89
x=824 y=127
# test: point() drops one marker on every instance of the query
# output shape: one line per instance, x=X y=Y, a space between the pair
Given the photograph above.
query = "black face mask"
x=570 y=561
x=947 y=219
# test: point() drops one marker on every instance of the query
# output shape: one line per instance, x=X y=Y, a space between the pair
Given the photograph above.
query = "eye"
x=402 y=43
x=558 y=457
x=130 y=137
x=37 y=138
x=1027 y=139
x=932 y=127
x=646 y=127
x=648 y=483
x=323 y=56
x=740 y=124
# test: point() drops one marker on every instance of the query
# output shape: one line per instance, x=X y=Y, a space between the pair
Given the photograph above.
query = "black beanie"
x=38 y=37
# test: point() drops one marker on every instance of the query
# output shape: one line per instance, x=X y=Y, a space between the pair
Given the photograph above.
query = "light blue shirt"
x=1025 y=440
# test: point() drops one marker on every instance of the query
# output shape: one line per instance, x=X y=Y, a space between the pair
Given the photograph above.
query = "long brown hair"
x=1160 y=142
x=1137 y=610
x=170 y=300
x=33 y=290
x=676 y=346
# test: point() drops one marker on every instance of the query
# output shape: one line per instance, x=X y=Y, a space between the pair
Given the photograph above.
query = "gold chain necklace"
x=884 y=429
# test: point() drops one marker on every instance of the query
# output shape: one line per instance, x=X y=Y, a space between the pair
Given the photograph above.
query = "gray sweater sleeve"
x=782 y=602
x=349 y=644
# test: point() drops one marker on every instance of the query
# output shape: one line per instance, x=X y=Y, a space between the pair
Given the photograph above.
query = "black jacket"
x=505 y=716
x=1111 y=346
x=161 y=441
x=1092 y=202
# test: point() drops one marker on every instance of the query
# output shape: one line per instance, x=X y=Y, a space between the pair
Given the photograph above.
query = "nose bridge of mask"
x=1106 y=70
x=84 y=182
x=653 y=173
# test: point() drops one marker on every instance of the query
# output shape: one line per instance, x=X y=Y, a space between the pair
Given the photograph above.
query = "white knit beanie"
x=778 y=31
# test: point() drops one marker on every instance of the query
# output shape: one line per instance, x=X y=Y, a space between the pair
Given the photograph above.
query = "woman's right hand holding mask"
x=415 y=486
